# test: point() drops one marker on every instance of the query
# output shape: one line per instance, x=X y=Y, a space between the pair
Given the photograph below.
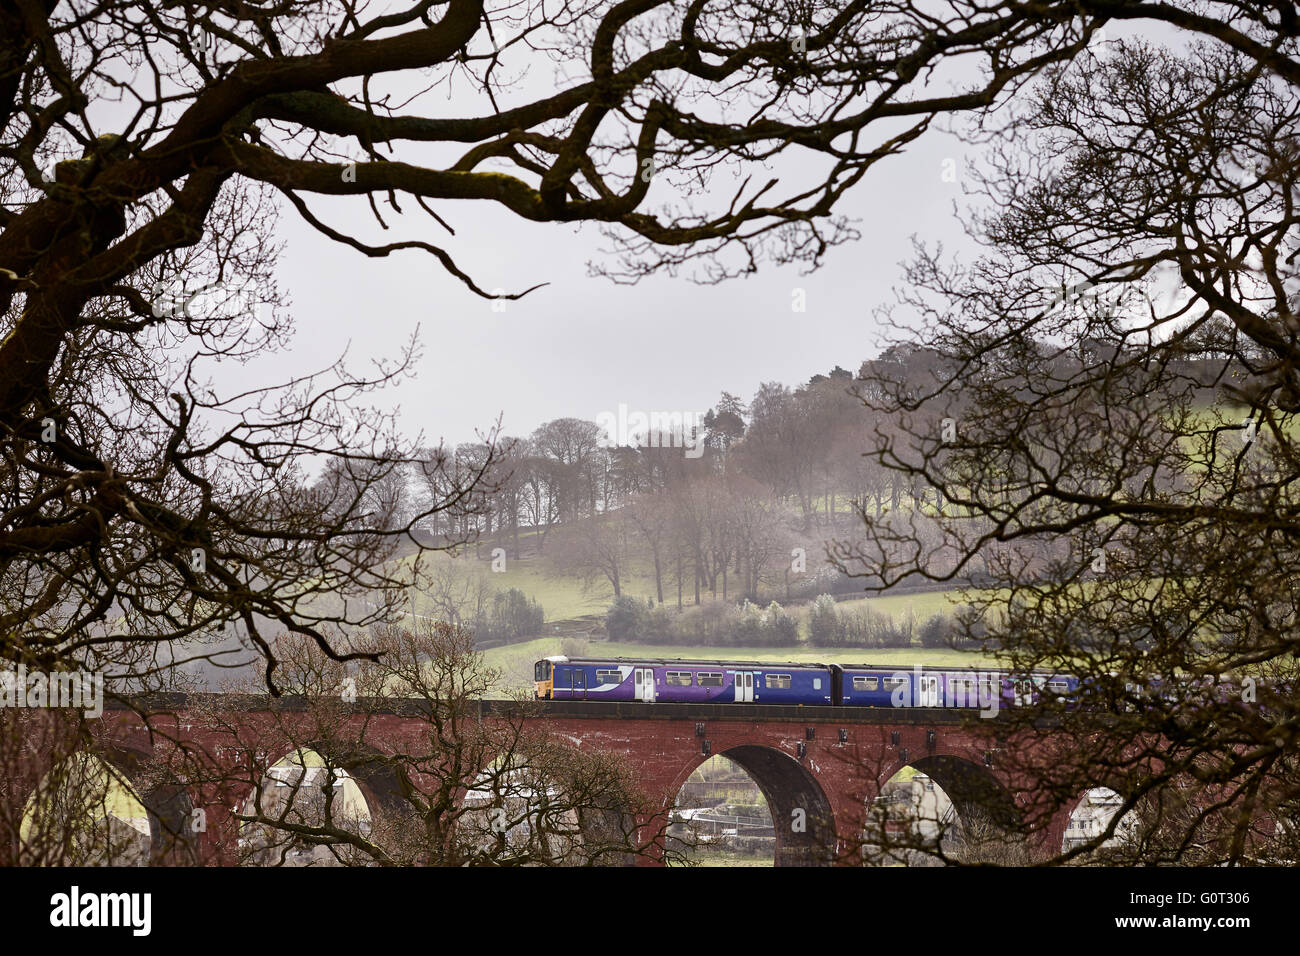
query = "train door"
x=1025 y=690
x=744 y=686
x=578 y=683
x=643 y=683
x=928 y=690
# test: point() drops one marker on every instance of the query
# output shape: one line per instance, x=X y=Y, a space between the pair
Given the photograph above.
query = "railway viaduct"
x=818 y=767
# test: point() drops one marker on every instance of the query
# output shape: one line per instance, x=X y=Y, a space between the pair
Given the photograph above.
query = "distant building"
x=917 y=804
x=297 y=789
x=1092 y=816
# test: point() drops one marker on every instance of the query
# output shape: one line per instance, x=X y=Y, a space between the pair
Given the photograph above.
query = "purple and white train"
x=763 y=682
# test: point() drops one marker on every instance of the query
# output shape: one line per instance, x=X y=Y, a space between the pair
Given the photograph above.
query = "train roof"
x=924 y=667
x=691 y=662
x=688 y=662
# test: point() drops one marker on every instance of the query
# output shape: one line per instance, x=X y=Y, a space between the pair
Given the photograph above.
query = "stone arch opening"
x=530 y=807
x=721 y=817
x=174 y=826
x=85 y=811
x=305 y=788
x=803 y=823
x=373 y=775
x=944 y=806
x=1090 y=817
x=74 y=793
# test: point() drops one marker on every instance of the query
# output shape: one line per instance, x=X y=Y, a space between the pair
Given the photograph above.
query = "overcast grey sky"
x=583 y=344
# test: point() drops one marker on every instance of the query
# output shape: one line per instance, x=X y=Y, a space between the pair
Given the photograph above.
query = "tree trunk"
x=679 y=580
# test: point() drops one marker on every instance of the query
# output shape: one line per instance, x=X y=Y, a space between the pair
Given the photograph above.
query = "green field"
x=921 y=606
x=564 y=596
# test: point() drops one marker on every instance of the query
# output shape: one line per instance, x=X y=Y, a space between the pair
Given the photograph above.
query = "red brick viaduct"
x=818 y=767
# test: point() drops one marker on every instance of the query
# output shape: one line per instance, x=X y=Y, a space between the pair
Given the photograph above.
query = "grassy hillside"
x=564 y=596
x=922 y=606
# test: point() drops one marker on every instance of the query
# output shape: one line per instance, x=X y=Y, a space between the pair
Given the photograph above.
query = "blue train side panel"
x=692 y=682
x=790 y=684
x=853 y=685
x=863 y=686
x=592 y=680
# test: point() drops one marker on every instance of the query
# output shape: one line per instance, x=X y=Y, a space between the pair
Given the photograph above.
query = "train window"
x=710 y=678
x=609 y=677
x=1059 y=686
x=817 y=683
x=539 y=672
x=893 y=683
x=865 y=683
x=679 y=678
x=778 y=681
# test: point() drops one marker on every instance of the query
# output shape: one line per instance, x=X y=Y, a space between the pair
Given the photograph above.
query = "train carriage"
x=866 y=685
x=679 y=681
x=764 y=682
